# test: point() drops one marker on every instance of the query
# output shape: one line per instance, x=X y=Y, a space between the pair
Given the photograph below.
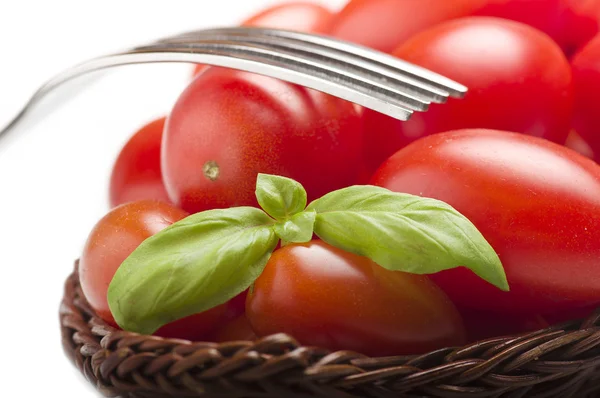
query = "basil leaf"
x=298 y=229
x=280 y=197
x=405 y=232
x=191 y=266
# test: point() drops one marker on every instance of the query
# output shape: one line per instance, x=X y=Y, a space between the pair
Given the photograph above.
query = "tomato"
x=238 y=329
x=537 y=203
x=481 y=325
x=384 y=24
x=586 y=75
x=136 y=173
x=112 y=240
x=518 y=78
x=299 y=16
x=228 y=126
x=324 y=296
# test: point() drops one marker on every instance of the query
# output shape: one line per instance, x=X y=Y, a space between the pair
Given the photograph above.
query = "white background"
x=54 y=173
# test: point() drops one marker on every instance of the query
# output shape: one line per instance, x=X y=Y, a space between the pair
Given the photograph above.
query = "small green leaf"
x=404 y=232
x=280 y=197
x=298 y=229
x=195 y=264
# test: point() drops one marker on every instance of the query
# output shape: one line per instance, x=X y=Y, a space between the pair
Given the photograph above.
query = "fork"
x=358 y=74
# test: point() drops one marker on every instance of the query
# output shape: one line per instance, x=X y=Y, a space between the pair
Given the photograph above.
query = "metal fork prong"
x=356 y=65
x=300 y=64
x=223 y=59
x=395 y=65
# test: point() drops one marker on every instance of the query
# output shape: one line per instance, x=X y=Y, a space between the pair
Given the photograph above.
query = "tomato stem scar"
x=211 y=170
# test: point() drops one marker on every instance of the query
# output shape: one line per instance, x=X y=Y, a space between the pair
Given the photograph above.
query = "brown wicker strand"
x=558 y=362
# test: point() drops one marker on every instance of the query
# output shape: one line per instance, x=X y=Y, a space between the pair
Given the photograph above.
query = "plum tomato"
x=324 y=296
x=136 y=173
x=238 y=329
x=297 y=15
x=229 y=125
x=518 y=78
x=586 y=77
x=537 y=203
x=112 y=240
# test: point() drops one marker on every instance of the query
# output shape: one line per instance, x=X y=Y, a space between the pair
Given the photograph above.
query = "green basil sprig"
x=402 y=232
x=208 y=258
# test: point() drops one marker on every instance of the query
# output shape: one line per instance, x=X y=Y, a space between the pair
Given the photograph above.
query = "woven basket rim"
x=559 y=361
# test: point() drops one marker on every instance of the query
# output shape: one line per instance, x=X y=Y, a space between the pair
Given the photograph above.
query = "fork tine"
x=357 y=74
x=246 y=62
x=393 y=64
x=300 y=64
x=350 y=64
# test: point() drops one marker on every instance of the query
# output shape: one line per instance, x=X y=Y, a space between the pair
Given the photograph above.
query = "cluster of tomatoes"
x=506 y=157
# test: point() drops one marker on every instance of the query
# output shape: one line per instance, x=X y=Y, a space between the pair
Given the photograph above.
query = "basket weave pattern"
x=559 y=362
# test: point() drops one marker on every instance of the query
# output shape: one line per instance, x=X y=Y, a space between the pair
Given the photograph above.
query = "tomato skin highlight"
x=537 y=204
x=518 y=78
x=578 y=144
x=330 y=298
x=228 y=126
x=112 y=240
x=136 y=173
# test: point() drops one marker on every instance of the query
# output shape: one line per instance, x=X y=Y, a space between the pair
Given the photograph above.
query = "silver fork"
x=355 y=73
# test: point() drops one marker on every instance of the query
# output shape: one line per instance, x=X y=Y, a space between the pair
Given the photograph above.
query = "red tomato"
x=238 y=329
x=518 y=79
x=586 y=75
x=324 y=296
x=136 y=173
x=112 y=240
x=384 y=24
x=537 y=203
x=228 y=126
x=298 y=15
x=481 y=325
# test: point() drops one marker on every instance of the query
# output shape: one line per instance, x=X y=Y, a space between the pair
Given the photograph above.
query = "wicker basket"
x=559 y=362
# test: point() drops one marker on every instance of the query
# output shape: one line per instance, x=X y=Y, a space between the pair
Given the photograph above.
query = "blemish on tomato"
x=211 y=170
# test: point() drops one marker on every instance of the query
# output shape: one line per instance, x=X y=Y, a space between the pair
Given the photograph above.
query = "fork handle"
x=214 y=58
